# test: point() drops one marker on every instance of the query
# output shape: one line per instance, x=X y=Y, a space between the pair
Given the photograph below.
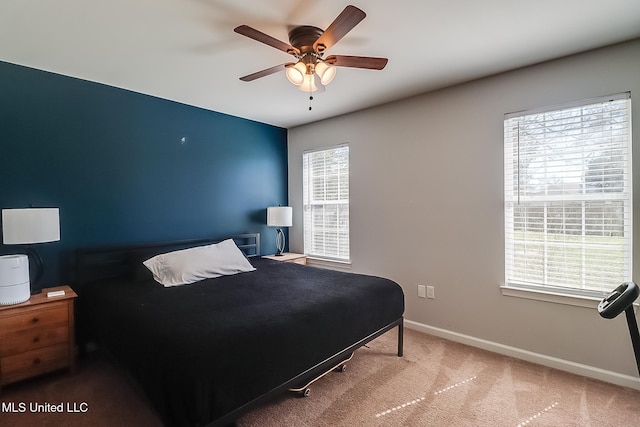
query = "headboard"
x=118 y=261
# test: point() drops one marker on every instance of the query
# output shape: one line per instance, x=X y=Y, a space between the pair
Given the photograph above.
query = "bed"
x=207 y=352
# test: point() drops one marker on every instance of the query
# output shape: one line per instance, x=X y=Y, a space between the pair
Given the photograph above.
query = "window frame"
x=572 y=295
x=307 y=202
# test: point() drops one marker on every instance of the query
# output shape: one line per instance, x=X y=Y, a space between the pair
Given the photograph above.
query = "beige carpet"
x=441 y=383
x=436 y=383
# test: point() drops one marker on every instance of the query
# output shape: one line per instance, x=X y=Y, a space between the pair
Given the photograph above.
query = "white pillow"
x=194 y=264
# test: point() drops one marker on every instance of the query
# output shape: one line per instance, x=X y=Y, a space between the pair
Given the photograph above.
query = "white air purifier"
x=14 y=279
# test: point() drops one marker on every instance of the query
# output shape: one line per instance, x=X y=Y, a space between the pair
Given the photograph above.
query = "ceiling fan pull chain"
x=310 y=99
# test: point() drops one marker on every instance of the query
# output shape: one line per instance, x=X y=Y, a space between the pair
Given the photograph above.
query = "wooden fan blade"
x=348 y=18
x=368 y=62
x=252 y=33
x=264 y=73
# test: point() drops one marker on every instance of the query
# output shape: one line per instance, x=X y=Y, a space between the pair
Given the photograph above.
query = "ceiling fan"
x=308 y=45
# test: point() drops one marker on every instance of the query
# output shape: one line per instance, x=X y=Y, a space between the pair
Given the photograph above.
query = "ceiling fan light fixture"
x=308 y=44
x=309 y=83
x=326 y=72
x=295 y=73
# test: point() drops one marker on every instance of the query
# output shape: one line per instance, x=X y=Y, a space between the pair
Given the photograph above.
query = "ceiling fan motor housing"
x=303 y=38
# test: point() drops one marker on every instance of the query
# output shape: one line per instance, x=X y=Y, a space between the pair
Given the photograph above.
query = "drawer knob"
x=36 y=361
x=35 y=320
x=36 y=338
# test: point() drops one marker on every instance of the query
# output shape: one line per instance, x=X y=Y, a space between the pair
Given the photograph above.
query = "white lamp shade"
x=326 y=72
x=33 y=225
x=279 y=216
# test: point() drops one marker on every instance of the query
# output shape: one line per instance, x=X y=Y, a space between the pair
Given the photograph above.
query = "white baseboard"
x=529 y=356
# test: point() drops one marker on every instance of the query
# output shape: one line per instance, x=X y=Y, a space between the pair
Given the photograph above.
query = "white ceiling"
x=186 y=50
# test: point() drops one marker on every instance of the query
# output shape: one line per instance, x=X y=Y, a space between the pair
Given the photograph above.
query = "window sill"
x=555 y=297
x=548 y=296
x=330 y=264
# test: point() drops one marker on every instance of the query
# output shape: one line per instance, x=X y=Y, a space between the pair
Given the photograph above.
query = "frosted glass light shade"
x=295 y=73
x=279 y=216
x=33 y=225
x=326 y=72
x=309 y=83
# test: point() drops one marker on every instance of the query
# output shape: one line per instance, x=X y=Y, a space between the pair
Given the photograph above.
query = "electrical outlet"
x=431 y=292
x=422 y=291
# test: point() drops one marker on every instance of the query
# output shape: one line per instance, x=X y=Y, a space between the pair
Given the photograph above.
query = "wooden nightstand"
x=289 y=257
x=37 y=336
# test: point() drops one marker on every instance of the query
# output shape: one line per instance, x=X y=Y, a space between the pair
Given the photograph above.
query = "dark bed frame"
x=99 y=263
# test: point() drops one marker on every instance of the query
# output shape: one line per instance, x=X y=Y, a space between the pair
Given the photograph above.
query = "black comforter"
x=203 y=350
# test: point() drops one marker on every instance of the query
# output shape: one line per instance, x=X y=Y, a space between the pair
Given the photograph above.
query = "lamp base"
x=280 y=242
x=38 y=266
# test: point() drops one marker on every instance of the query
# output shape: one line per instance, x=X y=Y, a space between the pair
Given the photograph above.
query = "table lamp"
x=27 y=227
x=279 y=216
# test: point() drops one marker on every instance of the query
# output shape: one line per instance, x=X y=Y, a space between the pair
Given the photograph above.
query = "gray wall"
x=427 y=203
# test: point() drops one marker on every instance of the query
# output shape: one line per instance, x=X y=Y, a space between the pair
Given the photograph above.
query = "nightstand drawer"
x=34 y=338
x=35 y=362
x=33 y=317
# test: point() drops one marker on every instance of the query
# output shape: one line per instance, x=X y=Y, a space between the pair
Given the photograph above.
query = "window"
x=568 y=210
x=326 y=203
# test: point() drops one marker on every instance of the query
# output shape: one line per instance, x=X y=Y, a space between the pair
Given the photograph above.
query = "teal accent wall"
x=130 y=168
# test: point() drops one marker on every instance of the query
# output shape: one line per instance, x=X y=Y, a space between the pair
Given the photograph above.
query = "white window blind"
x=568 y=198
x=326 y=203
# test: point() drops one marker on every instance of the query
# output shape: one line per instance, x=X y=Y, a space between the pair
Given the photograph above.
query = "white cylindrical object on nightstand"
x=14 y=279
